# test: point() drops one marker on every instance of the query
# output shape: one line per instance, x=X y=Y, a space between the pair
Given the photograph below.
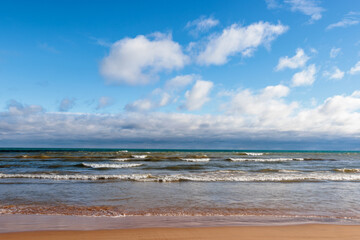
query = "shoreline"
x=305 y=231
x=13 y=223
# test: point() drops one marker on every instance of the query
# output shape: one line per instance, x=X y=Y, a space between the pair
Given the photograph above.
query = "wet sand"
x=308 y=231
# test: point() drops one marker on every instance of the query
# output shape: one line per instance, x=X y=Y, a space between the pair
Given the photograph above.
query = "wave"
x=254 y=154
x=134 y=177
x=196 y=159
x=277 y=170
x=119 y=211
x=139 y=156
x=177 y=167
x=105 y=165
x=120 y=159
x=201 y=177
x=348 y=170
x=264 y=159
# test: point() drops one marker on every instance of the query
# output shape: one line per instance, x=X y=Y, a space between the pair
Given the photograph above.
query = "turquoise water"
x=117 y=182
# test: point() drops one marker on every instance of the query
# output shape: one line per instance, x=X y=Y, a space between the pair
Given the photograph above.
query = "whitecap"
x=254 y=154
x=348 y=170
x=120 y=159
x=139 y=156
x=196 y=159
x=265 y=159
x=203 y=177
x=105 y=165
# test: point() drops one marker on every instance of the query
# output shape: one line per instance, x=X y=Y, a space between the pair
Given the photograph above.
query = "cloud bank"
x=246 y=120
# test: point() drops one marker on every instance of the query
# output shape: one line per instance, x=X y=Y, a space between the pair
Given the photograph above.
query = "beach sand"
x=308 y=231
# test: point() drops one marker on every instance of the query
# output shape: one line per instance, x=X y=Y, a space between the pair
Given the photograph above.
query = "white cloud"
x=140 y=105
x=272 y=4
x=355 y=69
x=198 y=95
x=266 y=108
x=202 y=24
x=16 y=108
x=307 y=7
x=138 y=60
x=179 y=82
x=299 y=60
x=161 y=97
x=237 y=39
x=263 y=115
x=66 y=104
x=104 y=102
x=165 y=99
x=352 y=18
x=337 y=74
x=334 y=52
x=337 y=115
x=305 y=77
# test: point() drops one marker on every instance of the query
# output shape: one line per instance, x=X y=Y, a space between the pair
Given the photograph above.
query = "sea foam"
x=196 y=159
x=139 y=156
x=203 y=177
x=254 y=154
x=105 y=165
x=265 y=159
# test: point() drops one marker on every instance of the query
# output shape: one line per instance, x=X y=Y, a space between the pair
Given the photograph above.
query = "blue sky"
x=265 y=74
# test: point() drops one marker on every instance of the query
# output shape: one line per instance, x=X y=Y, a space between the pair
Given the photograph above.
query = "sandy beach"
x=316 y=231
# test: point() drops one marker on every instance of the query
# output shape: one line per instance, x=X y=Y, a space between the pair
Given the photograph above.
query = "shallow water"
x=320 y=185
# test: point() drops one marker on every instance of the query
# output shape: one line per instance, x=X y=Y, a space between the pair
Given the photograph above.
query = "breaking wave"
x=121 y=159
x=105 y=165
x=139 y=156
x=265 y=159
x=196 y=159
x=201 y=177
x=254 y=154
x=348 y=170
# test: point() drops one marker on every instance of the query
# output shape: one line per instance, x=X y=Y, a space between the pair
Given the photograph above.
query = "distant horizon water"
x=2 y=149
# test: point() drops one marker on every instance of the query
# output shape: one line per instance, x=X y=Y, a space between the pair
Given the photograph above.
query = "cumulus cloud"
x=337 y=114
x=66 y=104
x=352 y=18
x=237 y=39
x=336 y=74
x=138 y=60
x=265 y=108
x=355 y=69
x=201 y=24
x=161 y=97
x=198 y=95
x=305 y=77
x=299 y=60
x=334 y=52
x=104 y=102
x=307 y=7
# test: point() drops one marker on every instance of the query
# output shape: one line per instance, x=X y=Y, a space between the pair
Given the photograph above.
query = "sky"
x=262 y=74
